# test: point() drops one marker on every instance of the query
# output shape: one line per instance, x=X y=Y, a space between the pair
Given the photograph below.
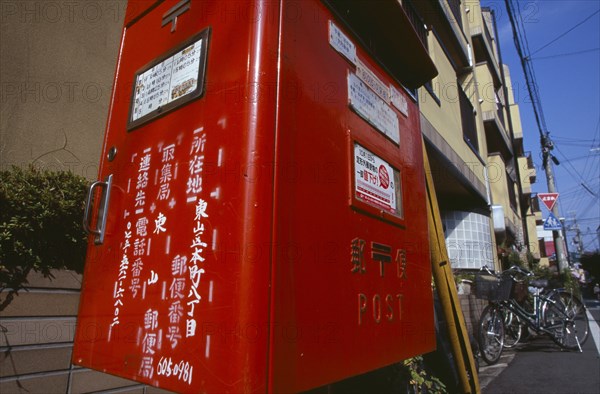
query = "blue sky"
x=568 y=76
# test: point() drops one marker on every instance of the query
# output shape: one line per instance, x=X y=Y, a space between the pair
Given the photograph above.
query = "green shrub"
x=571 y=283
x=513 y=258
x=543 y=273
x=40 y=226
x=419 y=379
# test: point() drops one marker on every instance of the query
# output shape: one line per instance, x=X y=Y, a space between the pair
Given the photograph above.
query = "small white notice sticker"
x=399 y=101
x=372 y=108
x=341 y=43
x=369 y=77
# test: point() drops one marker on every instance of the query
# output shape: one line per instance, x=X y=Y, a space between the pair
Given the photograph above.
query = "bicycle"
x=557 y=313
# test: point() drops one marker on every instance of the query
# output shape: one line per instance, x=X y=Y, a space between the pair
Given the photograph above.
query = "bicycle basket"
x=519 y=291
x=490 y=288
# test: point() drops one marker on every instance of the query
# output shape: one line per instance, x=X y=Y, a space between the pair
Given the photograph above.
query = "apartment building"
x=472 y=128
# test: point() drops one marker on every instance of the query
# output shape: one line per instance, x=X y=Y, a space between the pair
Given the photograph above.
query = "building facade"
x=472 y=128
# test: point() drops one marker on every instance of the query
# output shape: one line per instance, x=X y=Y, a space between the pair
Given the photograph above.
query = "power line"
x=575 y=158
x=559 y=138
x=575 y=173
x=565 y=54
x=596 y=137
x=522 y=47
x=566 y=32
x=578 y=145
x=519 y=46
x=576 y=190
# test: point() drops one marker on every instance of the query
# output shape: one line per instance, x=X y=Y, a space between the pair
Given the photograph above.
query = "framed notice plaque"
x=170 y=81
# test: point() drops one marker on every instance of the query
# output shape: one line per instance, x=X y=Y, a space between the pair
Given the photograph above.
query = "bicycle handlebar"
x=485 y=268
x=514 y=269
x=523 y=271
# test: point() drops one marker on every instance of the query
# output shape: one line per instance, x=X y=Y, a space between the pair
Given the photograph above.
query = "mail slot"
x=259 y=223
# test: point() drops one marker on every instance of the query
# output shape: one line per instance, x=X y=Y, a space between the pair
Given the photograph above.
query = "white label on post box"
x=369 y=77
x=399 y=101
x=169 y=80
x=372 y=108
x=376 y=182
x=341 y=43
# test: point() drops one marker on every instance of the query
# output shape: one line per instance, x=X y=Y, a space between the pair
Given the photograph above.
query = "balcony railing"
x=535 y=204
x=455 y=8
x=416 y=21
x=530 y=164
x=531 y=170
x=487 y=33
x=500 y=112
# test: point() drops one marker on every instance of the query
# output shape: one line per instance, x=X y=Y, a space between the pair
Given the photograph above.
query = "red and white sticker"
x=376 y=181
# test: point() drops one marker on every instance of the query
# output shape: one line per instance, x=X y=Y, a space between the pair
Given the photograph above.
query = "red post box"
x=260 y=223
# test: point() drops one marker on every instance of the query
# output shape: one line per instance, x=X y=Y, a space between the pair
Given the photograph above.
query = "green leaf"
x=40 y=216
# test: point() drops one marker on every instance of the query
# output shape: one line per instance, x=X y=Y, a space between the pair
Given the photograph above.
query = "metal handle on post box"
x=98 y=231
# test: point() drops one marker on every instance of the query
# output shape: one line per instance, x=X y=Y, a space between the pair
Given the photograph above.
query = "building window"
x=468 y=120
x=535 y=204
x=468 y=239
x=499 y=98
x=512 y=195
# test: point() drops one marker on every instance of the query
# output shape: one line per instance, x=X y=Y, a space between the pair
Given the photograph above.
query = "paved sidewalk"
x=540 y=366
x=487 y=373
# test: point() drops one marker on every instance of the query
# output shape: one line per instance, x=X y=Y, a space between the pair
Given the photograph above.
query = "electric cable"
x=520 y=52
x=565 y=54
x=596 y=137
x=584 y=193
x=566 y=32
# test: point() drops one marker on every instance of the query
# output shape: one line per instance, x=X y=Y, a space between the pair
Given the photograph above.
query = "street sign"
x=552 y=223
x=549 y=199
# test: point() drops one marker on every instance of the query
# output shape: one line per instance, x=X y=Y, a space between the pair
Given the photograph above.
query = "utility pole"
x=547 y=144
x=577 y=239
x=559 y=245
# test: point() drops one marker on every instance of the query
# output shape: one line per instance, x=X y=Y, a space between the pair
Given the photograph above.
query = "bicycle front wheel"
x=512 y=329
x=566 y=319
x=491 y=334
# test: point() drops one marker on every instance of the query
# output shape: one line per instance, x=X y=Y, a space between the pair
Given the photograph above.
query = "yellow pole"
x=446 y=288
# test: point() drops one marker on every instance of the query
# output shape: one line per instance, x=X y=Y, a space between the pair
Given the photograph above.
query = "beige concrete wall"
x=486 y=86
x=499 y=188
x=515 y=115
x=56 y=69
x=498 y=184
x=36 y=342
x=512 y=106
x=445 y=115
x=489 y=106
x=525 y=173
x=474 y=16
x=472 y=87
x=534 y=247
